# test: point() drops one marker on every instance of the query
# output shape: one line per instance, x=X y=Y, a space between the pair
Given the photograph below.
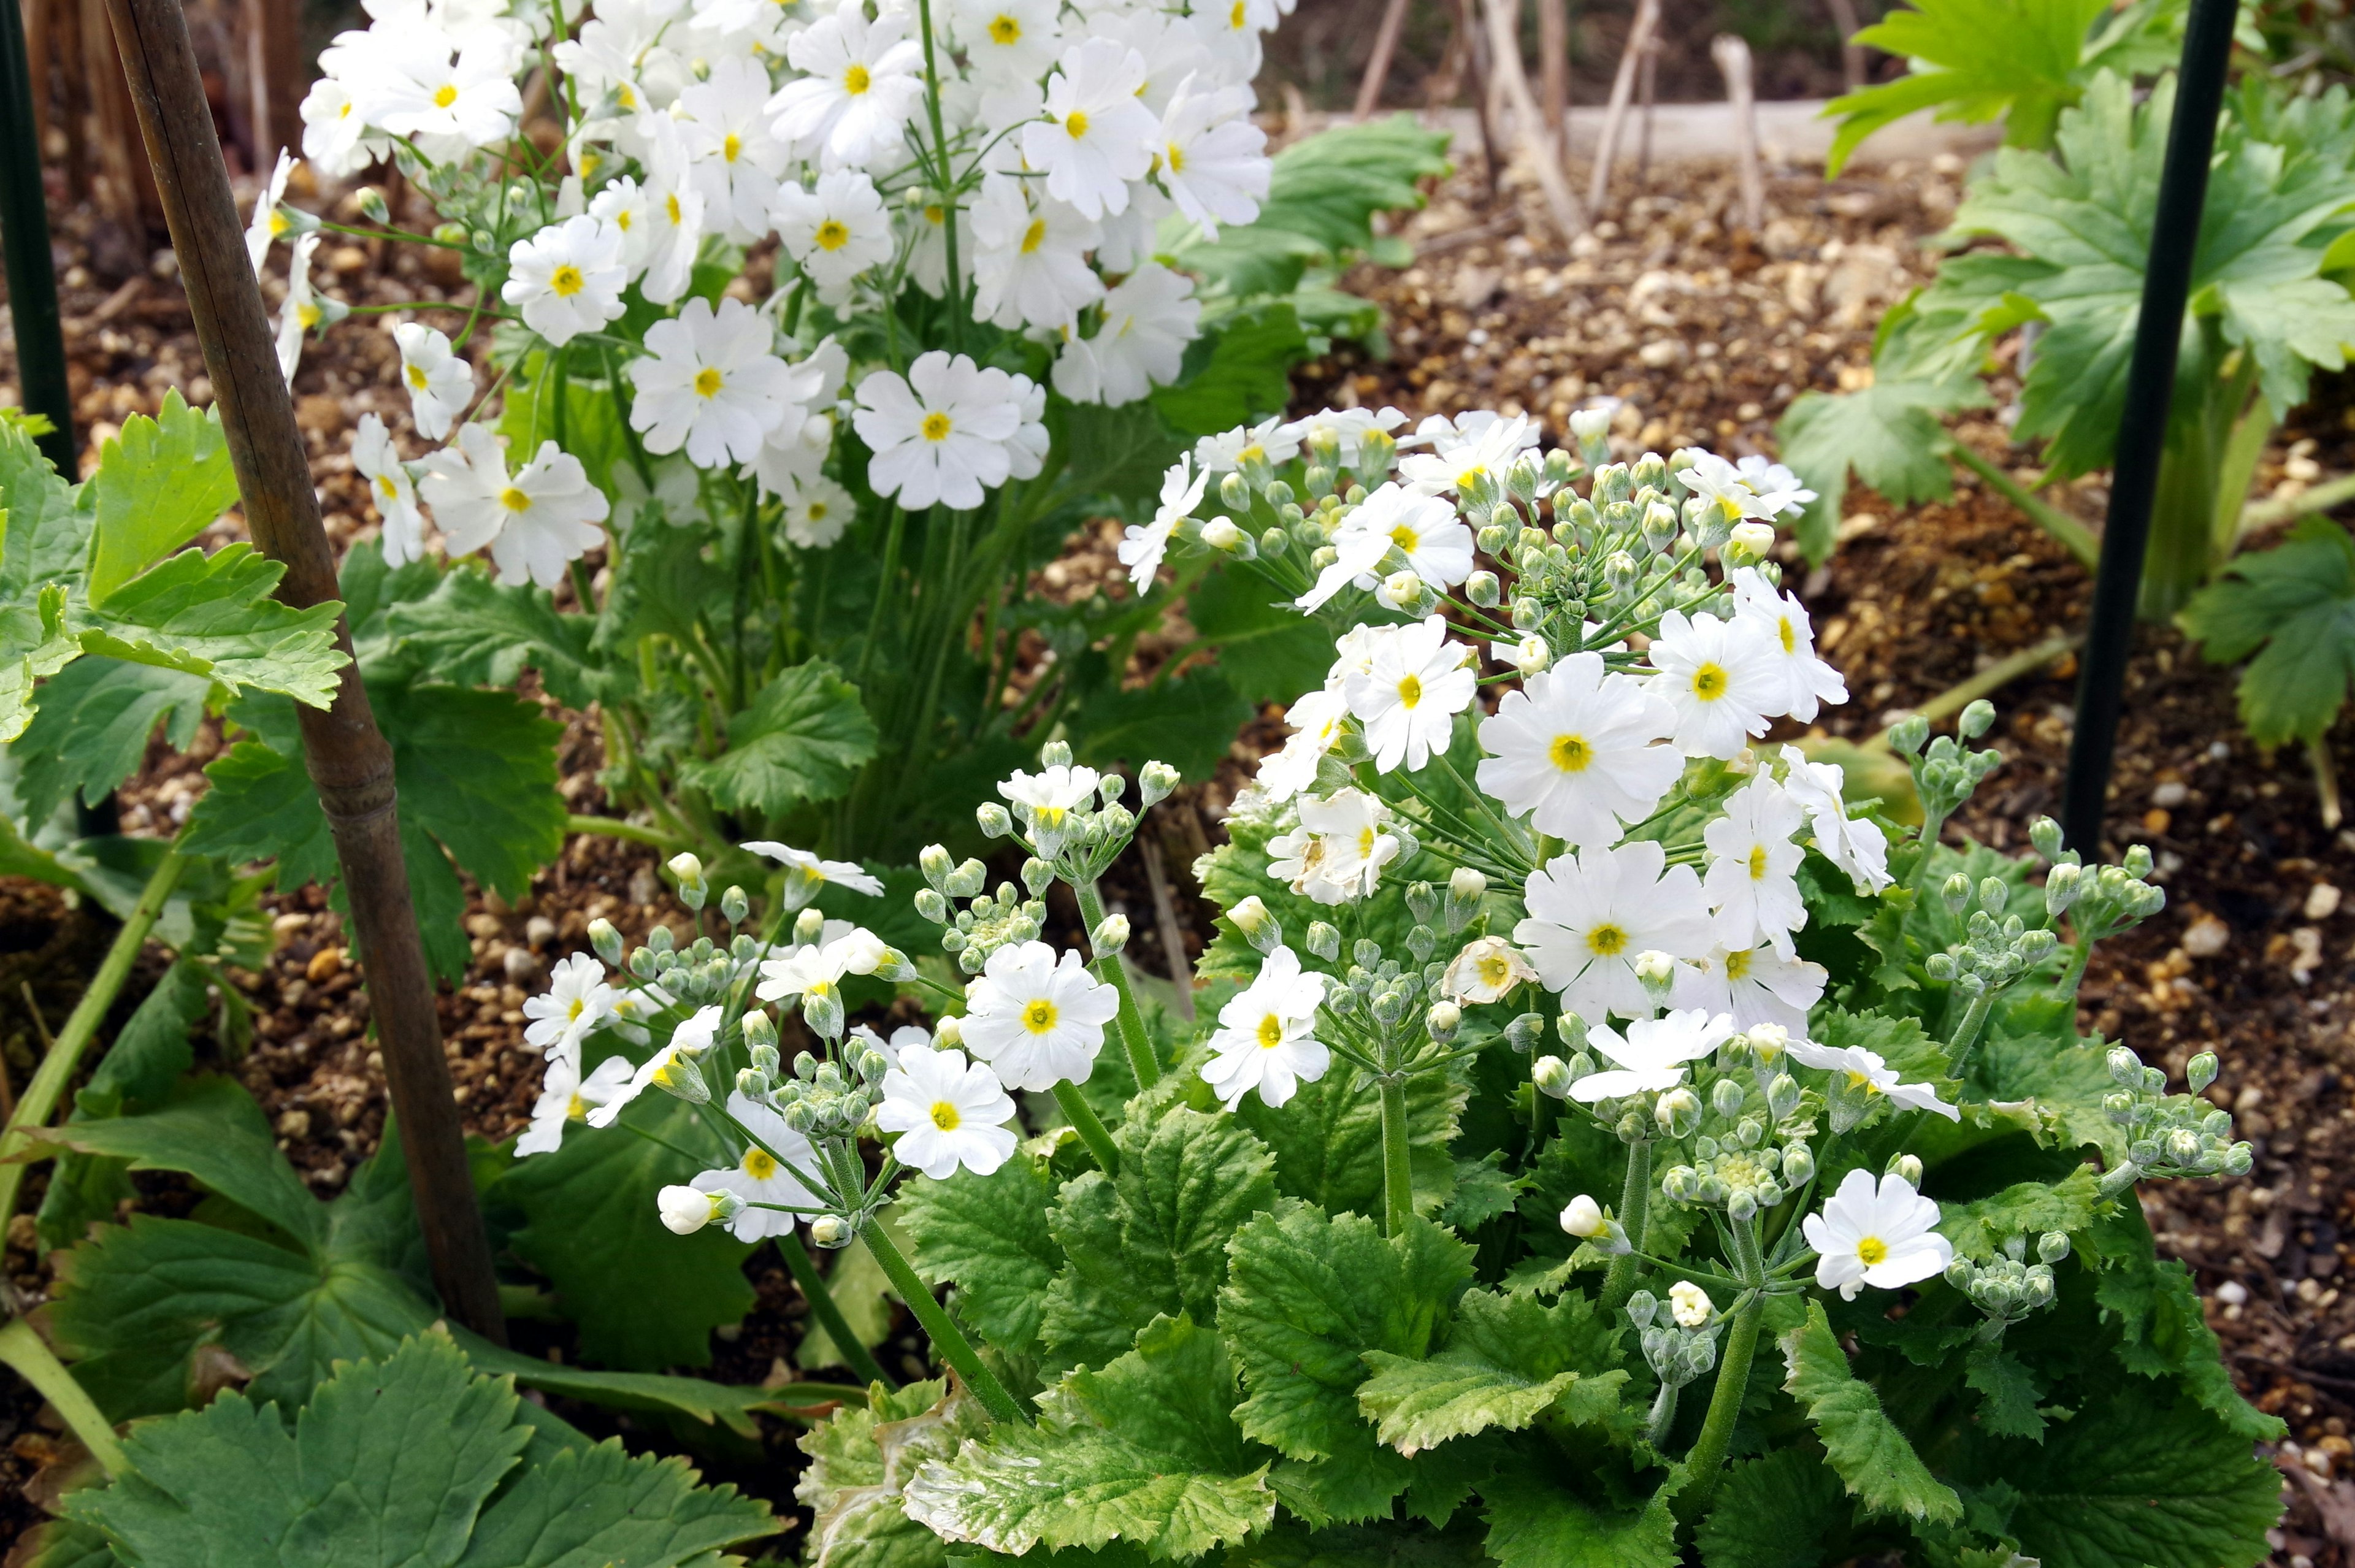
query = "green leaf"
x=157 y=486
x=1117 y=455
x=1973 y=60
x=1146 y=1451
x=1186 y=722
x=92 y=729
x=1509 y=1359
x=709 y=1403
x=138 y=1073
x=1247 y=375
x=213 y=615
x=1384 y=1545
x=803 y=739
x=1783 y=1510
x=217 y=1134
x=263 y=806
x=863 y=1291
x=990 y=1236
x=35 y=644
x=63 y=1543
x=472 y=632
x=2297 y=602
x=2009 y=1394
x=1864 y=1446
x=1327 y=1140
x=46 y=540
x=2025 y=1208
x=861 y=1460
x=1268 y=651
x=1887 y=433
x=2164 y=1334
x=598 y=1506
x=1541 y=1514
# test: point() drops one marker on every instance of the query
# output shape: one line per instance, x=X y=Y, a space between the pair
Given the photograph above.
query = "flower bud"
x=2201 y=1070
x=1324 y=941
x=1221 y=534
x=1976 y=719
x=1690 y=1305
x=1750 y=542
x=606 y=940
x=994 y=819
x=685 y=1210
x=1155 y=781
x=1799 y=1165
x=1551 y=1075
x=734 y=905
x=1725 y=1097
x=830 y=1230
x=1524 y=1033
x=934 y=862
x=1907 y=1168
x=681 y=1077
x=1679 y=1112
x=932 y=905
x=1657 y=970
x=1782 y=1096
x=1110 y=936
x=1257 y=923
x=689 y=869
x=1483 y=589
x=759 y=1034
x=1443 y=1020
x=1584 y=1218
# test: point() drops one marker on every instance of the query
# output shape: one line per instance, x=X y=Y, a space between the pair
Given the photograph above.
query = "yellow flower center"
x=1366 y=837
x=1493 y=970
x=936 y=427
x=1271 y=1032
x=627 y=98
x=1757 y=862
x=277 y=223
x=567 y=280
x=576 y=1109
x=1605 y=939
x=623 y=219
x=417 y=377
x=1789 y=634
x=731 y=145
x=945 y=1116
x=934 y=215
x=671 y=202
x=1005 y=29
x=575 y=1008
x=345 y=113
x=1409 y=690
x=1737 y=965
x=515 y=500
x=833 y=234
x=1038 y=1016
x=444 y=95
x=1404 y=538
x=816 y=511
x=855 y=80
x=1174 y=155
x=308 y=315
x=1571 y=753
x=1235 y=16
x=1710 y=681
x=387 y=488
x=1469 y=477
x=707 y=382
x=1033 y=235
x=759 y=1164
x=1870 y=1251
x=1075 y=123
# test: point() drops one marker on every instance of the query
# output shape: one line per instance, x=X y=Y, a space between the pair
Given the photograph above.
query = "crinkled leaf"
x=2030 y=1208
x=1541 y=1514
x=1268 y=651
x=35 y=644
x=1244 y=376
x=2166 y=1336
x=1186 y=722
x=213 y=615
x=138 y=1073
x=93 y=725
x=2297 y=602
x=804 y=738
x=1783 y=1510
x=1507 y=1359
x=600 y=1505
x=214 y=1132
x=1327 y=1140
x=473 y=632
x=47 y=541
x=1864 y=1446
x=157 y=486
x=2008 y=1394
x=988 y=1235
x=859 y=1462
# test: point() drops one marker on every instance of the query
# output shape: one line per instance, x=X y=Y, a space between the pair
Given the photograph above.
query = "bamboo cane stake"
x=1844 y=18
x=347 y=757
x=1647 y=77
x=1732 y=56
x=1553 y=68
x=1377 y=67
x=1528 y=125
x=1615 y=114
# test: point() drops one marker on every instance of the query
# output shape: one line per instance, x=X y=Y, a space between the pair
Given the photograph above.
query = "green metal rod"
x=24 y=230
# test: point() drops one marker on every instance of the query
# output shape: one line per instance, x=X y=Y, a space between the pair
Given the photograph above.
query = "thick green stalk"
x=41 y=1095
x=1635 y=1210
x=636 y=832
x=1707 y=1460
x=1115 y=969
x=2074 y=536
x=1089 y=1125
x=1398 y=1168
x=855 y=1355
x=1967 y=1033
x=23 y=1349
x=948 y=1339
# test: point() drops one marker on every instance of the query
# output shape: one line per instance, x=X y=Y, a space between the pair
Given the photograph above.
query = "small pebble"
x=2206 y=937
x=522 y=965
x=2321 y=902
x=2156 y=820
x=2170 y=794
x=539 y=930
x=325 y=966
x=295 y=1124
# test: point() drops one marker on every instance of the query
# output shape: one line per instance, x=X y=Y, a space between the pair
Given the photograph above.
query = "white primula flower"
x=1712 y=478
x=1147 y=321
x=1347 y=427
x=301 y=313
x=906 y=1037
x=627 y=207
x=1577 y=747
x=1776 y=486
x=722 y=120
x=440 y=383
x=378 y=461
x=1486 y=970
x=1043 y=802
x=1757 y=985
x=1273 y=441
x=708 y=383
x=1142 y=548
x=1337 y=852
x=1651 y=1055
x=534 y=522
x=1008 y=40
x=268 y=223
x=1592 y=914
x=1718 y=676
x=1265 y=1039
x=578 y=1000
x=948 y=1112
x=1408 y=698
x=1315 y=720
x=813 y=972
x=1866 y=1072
x=674 y=216
x=1855 y=844
x=1357 y=554
x=1029 y=260
x=805 y=873
x=1690 y=1305
x=863 y=82
x=566 y=1097
x=817 y=512
x=797 y=451
x=945 y=434
x=761 y=1176
x=1037 y=1020
x=567 y=279
x=1214 y=161
x=1473 y=453
x=335 y=130
x=1096 y=136
x=672 y=1065
x=1754 y=867
x=1424 y=529
x=422 y=92
x=1883 y=1237
x=1808 y=681
x=835 y=232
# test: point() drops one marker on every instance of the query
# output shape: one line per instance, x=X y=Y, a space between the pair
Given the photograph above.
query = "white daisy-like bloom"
x=735 y=162
x=1142 y=546
x=1272 y=441
x=1213 y=160
x=906 y=1037
x=762 y=1176
x=1592 y=914
x=1265 y=1038
x=1037 y=1019
x=1436 y=543
x=440 y=383
x=1008 y=41
x=1855 y=844
x=301 y=313
x=949 y=1112
x=677 y=1057
x=795 y=452
x=805 y=873
x=1651 y=1055
x=534 y=522
x=1148 y=320
x=1171 y=50
x=1485 y=970
x=422 y=92
x=1097 y=136
x=1808 y=682
x=1466 y=455
x=1043 y=802
x=376 y=460
x=673 y=217
x=1029 y=260
x=1357 y=554
x=267 y=222
x=1718 y=676
x=942 y=434
x=1347 y=427
x=928 y=249
x=1714 y=479
x=710 y=384
x=1753 y=866
x=1883 y=1236
x=1777 y=488
x=1757 y=985
x=1232 y=29
x=334 y=132
x=862 y=82
x=567 y=279
x=1578 y=749
x=576 y=1000
x=814 y=971
x=1865 y=1072
x=627 y=207
x=566 y=1097
x=1417 y=681
x=835 y=232
x=818 y=510
x=1315 y=720
x=1337 y=853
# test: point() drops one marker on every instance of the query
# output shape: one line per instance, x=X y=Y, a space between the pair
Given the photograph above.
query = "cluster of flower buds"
x=824 y=1099
x=1376 y=990
x=1740 y=1173
x=988 y=922
x=1070 y=818
x=1948 y=771
x=1996 y=948
x=1679 y=1343
x=2008 y=1289
x=2101 y=902
x=2170 y=1135
x=700 y=972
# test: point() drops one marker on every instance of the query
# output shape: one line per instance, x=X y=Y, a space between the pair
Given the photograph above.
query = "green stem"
x=948 y=1339
x=1707 y=1460
x=1089 y=1124
x=1967 y=1033
x=2320 y=497
x=1635 y=1211
x=1398 y=1168
x=23 y=1349
x=1115 y=969
x=855 y=1355
x=636 y=832
x=2074 y=537
x=41 y=1095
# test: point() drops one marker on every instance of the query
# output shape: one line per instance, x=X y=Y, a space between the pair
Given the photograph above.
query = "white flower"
x=567 y=279
x=1777 y=488
x=1317 y=720
x=1097 y=136
x=1584 y=1218
x=1417 y=682
x=1141 y=548
x=760 y=1176
x=1045 y=800
x=1808 y=681
x=1651 y=1056
x=1347 y=427
x=1272 y=439
x=943 y=434
x=1357 y=554
x=1424 y=529
x=420 y=92
x=1147 y=322
x=795 y=452
x=1214 y=161
x=1008 y=40
x=1751 y=883
x=835 y=232
x=440 y=383
x=1486 y=970
x=1866 y=1073
x=1467 y=453
x=577 y=1001
x=948 y=1112
x=1717 y=676
x=267 y=222
x=1576 y=746
x=1883 y=1238
x=566 y=1097
x=334 y=132
x=735 y=160
x=863 y=82
x=1757 y=985
x=378 y=461
x=686 y=1210
x=816 y=969
x=676 y=1059
x=906 y=1037
x=710 y=384
x=1337 y=853
x=1264 y=1038
x=1530 y=655
x=1855 y=844
x=1690 y=1305
x=1036 y=1020
x=1717 y=480
x=534 y=523
x=673 y=219
x=300 y=313
x=1029 y=261
x=1591 y=914
x=805 y=873
x=817 y=512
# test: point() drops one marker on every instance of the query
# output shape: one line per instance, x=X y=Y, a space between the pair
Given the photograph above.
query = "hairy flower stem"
x=2080 y=953
x=948 y=1339
x=22 y=1349
x=1398 y=1170
x=1664 y=1414
x=1115 y=969
x=1635 y=1207
x=1707 y=1460
x=1089 y=1125
x=1967 y=1033
x=855 y=1355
